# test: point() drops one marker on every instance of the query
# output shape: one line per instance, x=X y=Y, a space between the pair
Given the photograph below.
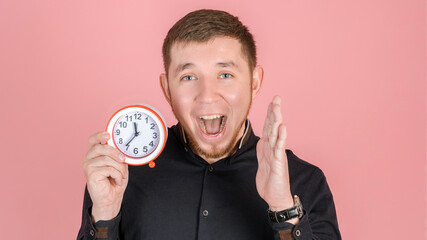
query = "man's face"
x=210 y=91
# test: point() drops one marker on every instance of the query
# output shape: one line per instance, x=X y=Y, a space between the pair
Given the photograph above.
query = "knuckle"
x=110 y=150
x=88 y=167
x=94 y=138
x=90 y=139
x=97 y=135
x=89 y=173
x=83 y=163
x=94 y=175
x=98 y=149
x=113 y=172
x=124 y=169
x=105 y=158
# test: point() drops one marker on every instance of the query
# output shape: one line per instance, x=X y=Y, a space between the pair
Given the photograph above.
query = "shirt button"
x=210 y=168
x=91 y=232
x=297 y=233
x=205 y=213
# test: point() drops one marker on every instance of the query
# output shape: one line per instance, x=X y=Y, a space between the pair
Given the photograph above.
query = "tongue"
x=213 y=126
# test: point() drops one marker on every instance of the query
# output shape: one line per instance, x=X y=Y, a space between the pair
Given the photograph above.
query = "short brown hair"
x=205 y=24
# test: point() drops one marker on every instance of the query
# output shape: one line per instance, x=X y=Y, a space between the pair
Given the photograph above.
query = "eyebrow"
x=182 y=67
x=227 y=64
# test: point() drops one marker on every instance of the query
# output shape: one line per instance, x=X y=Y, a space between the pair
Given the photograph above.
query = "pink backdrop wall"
x=351 y=73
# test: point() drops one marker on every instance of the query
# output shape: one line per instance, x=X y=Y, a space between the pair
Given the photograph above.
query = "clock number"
x=152 y=126
x=118 y=131
x=128 y=118
x=145 y=149
x=127 y=147
x=146 y=120
x=151 y=144
x=135 y=150
x=154 y=135
x=137 y=116
x=123 y=124
x=120 y=140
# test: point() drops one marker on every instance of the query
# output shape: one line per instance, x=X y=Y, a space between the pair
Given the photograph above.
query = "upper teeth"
x=210 y=117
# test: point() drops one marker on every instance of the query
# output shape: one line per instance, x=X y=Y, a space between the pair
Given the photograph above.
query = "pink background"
x=352 y=75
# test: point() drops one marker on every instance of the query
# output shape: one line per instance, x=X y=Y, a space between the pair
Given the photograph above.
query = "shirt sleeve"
x=319 y=220
x=106 y=230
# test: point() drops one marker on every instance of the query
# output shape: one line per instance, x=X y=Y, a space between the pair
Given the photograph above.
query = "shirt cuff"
x=101 y=229
x=108 y=229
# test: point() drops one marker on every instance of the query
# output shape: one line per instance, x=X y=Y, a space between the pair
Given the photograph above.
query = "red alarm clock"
x=139 y=132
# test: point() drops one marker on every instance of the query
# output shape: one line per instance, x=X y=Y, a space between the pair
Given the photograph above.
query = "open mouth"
x=212 y=125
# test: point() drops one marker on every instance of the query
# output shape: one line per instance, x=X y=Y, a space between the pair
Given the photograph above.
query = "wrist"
x=104 y=213
x=282 y=204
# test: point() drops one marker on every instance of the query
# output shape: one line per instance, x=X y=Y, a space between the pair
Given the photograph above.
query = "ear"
x=165 y=87
x=257 y=77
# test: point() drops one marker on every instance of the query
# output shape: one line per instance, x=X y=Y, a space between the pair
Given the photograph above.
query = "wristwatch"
x=287 y=214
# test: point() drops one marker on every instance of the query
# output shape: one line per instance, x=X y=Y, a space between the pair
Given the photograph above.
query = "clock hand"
x=127 y=144
x=136 y=134
x=136 y=131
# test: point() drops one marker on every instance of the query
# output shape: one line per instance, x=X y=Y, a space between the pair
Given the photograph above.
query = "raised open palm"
x=272 y=178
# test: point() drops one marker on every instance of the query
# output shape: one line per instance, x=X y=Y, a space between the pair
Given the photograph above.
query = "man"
x=215 y=179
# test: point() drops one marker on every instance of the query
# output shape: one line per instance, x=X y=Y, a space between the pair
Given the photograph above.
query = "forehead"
x=218 y=49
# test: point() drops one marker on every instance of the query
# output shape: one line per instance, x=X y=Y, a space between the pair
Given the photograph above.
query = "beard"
x=215 y=152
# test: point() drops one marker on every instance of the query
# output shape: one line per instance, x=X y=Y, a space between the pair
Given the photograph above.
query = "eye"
x=188 y=78
x=225 y=75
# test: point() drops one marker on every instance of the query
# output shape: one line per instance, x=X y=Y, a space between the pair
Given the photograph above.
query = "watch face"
x=139 y=132
x=136 y=134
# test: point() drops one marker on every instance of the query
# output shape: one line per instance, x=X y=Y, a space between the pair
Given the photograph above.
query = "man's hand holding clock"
x=107 y=177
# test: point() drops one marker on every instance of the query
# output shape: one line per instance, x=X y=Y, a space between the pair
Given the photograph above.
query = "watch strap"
x=287 y=214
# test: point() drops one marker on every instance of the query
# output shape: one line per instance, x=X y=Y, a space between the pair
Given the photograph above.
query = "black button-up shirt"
x=184 y=197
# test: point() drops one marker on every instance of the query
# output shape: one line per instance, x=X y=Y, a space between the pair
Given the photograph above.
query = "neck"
x=236 y=145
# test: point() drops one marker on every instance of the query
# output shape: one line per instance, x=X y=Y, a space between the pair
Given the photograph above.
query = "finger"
x=266 y=123
x=105 y=150
x=105 y=161
x=108 y=171
x=280 y=148
x=276 y=120
x=98 y=138
x=277 y=100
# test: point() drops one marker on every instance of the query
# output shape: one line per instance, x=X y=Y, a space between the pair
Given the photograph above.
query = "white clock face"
x=139 y=132
x=136 y=134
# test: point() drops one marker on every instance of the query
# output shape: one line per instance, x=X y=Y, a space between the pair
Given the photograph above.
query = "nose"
x=208 y=90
